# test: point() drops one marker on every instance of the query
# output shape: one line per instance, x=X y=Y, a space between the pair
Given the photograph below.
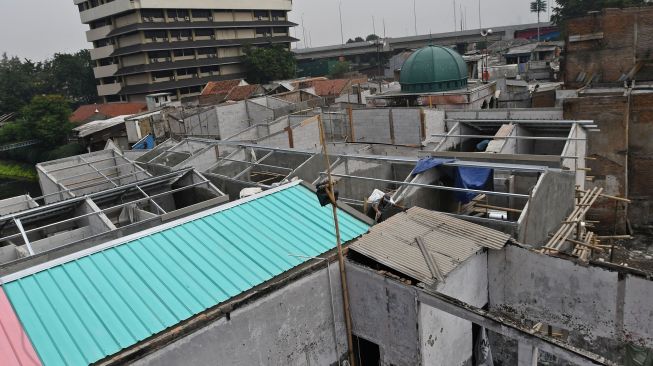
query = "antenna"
x=415 y=15
x=303 y=30
x=342 y=37
x=384 y=29
x=455 y=21
x=480 y=23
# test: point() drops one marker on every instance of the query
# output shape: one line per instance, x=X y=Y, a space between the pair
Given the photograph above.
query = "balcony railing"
x=108 y=89
x=98 y=33
x=102 y=52
x=105 y=71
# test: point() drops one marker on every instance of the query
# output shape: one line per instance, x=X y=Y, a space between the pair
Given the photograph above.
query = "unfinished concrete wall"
x=202 y=160
x=15 y=204
x=407 y=126
x=551 y=202
x=640 y=160
x=386 y=313
x=433 y=122
x=232 y=118
x=444 y=338
x=204 y=123
x=507 y=114
x=293 y=325
x=401 y=126
x=258 y=113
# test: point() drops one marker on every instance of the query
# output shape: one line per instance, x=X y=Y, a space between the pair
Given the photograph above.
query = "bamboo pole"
x=341 y=257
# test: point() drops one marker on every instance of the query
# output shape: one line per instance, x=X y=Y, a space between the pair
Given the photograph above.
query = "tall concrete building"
x=150 y=46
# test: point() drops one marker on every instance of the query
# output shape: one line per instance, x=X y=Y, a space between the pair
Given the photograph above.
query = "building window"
x=179 y=14
x=201 y=13
x=279 y=30
x=263 y=32
x=159 y=56
x=156 y=35
x=166 y=74
x=261 y=15
x=210 y=69
x=186 y=71
x=209 y=51
x=180 y=34
x=278 y=15
x=204 y=33
x=184 y=52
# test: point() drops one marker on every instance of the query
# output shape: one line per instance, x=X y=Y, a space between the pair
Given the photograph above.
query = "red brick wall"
x=627 y=37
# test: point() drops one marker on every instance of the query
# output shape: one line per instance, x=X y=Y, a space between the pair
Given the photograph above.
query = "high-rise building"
x=142 y=47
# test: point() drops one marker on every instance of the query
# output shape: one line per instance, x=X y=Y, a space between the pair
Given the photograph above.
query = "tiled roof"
x=242 y=92
x=108 y=110
x=325 y=88
x=220 y=87
x=80 y=309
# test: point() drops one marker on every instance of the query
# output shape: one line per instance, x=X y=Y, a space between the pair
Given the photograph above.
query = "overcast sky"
x=36 y=29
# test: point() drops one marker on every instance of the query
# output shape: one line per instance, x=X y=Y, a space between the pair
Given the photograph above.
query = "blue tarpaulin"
x=146 y=143
x=473 y=178
x=425 y=164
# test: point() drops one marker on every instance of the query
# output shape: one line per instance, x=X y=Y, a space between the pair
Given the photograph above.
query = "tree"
x=45 y=118
x=567 y=9
x=339 y=69
x=538 y=6
x=359 y=39
x=264 y=64
x=72 y=76
x=350 y=41
x=371 y=37
x=17 y=83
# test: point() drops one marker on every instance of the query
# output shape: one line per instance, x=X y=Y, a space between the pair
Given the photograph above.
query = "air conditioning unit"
x=165 y=39
x=187 y=19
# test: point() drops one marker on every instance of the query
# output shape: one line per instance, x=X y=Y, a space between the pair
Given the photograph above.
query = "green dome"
x=433 y=69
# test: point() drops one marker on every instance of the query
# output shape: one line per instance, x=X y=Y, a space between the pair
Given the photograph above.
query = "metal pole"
x=341 y=258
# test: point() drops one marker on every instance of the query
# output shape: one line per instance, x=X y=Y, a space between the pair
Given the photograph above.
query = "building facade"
x=148 y=46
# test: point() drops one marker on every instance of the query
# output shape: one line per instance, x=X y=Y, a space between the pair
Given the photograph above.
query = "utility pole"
x=303 y=30
x=455 y=21
x=342 y=36
x=480 y=23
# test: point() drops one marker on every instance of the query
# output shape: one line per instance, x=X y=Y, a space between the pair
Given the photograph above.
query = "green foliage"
x=17 y=171
x=339 y=69
x=264 y=64
x=70 y=75
x=350 y=41
x=359 y=39
x=371 y=37
x=538 y=6
x=566 y=9
x=46 y=119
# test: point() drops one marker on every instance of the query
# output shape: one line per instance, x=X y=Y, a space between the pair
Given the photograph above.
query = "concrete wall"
x=232 y=118
x=551 y=202
x=600 y=307
x=507 y=114
x=259 y=113
x=385 y=312
x=293 y=325
x=444 y=338
x=401 y=126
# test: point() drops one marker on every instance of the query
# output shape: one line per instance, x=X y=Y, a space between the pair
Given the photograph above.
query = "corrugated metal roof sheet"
x=450 y=241
x=88 y=308
x=15 y=347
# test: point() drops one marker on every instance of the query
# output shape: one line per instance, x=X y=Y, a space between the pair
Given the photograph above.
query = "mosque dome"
x=433 y=69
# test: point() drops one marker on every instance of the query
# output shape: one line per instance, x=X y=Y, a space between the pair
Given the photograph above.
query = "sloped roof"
x=108 y=110
x=325 y=88
x=82 y=308
x=448 y=242
x=243 y=92
x=100 y=125
x=15 y=347
x=221 y=87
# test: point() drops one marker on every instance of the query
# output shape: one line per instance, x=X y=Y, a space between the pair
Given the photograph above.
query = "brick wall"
x=627 y=38
x=625 y=141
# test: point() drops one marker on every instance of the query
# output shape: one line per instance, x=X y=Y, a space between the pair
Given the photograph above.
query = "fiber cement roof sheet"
x=450 y=241
x=88 y=308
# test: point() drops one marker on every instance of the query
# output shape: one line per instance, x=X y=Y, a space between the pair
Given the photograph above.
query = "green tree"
x=350 y=41
x=71 y=75
x=264 y=64
x=371 y=37
x=538 y=6
x=359 y=39
x=18 y=83
x=45 y=118
x=566 y=9
x=339 y=69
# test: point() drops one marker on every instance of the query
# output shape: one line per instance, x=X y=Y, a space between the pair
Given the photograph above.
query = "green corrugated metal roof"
x=87 y=308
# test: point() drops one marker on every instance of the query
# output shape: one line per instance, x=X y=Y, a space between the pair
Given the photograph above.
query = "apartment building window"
x=159 y=56
x=156 y=35
x=94 y=3
x=263 y=32
x=201 y=13
x=261 y=15
x=278 y=15
x=179 y=14
x=105 y=61
x=150 y=15
x=215 y=69
x=102 y=42
x=166 y=74
x=205 y=33
x=210 y=51
x=100 y=23
x=109 y=80
x=279 y=30
x=180 y=34
x=184 y=52
x=187 y=71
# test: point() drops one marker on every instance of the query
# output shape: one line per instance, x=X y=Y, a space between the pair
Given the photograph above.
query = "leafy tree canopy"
x=70 y=75
x=339 y=69
x=45 y=118
x=264 y=64
x=566 y=9
x=371 y=37
x=359 y=39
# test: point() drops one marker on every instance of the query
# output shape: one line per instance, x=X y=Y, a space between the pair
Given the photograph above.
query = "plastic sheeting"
x=429 y=163
x=473 y=178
